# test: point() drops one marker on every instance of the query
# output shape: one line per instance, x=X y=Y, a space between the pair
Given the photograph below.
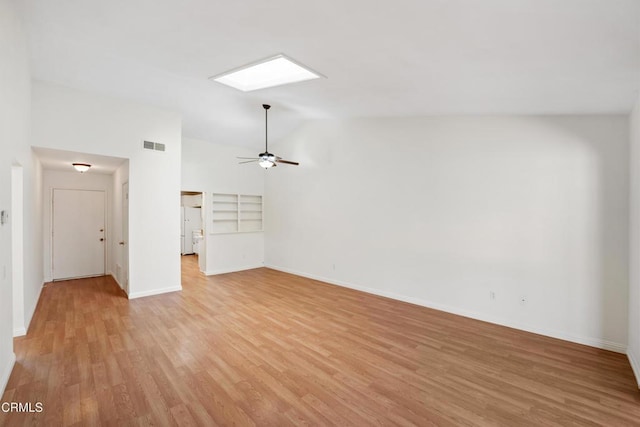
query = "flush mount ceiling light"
x=274 y=71
x=81 y=167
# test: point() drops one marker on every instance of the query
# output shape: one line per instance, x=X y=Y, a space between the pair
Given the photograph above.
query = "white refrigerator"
x=191 y=221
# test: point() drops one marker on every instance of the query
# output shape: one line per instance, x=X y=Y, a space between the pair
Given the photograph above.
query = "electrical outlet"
x=492 y=295
x=523 y=300
x=333 y=266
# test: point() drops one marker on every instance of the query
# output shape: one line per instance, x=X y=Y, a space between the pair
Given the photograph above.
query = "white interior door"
x=125 y=237
x=78 y=235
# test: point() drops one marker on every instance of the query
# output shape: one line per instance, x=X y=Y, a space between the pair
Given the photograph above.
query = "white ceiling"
x=406 y=57
x=61 y=160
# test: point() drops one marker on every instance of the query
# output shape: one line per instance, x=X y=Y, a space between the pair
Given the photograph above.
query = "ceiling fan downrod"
x=266 y=126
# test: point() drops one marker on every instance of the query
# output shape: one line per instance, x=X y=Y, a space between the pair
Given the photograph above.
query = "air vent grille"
x=149 y=145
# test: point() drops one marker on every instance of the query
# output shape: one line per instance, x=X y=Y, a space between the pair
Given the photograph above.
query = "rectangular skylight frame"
x=237 y=77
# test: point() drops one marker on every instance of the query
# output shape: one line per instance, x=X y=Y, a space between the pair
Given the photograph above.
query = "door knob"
x=102 y=240
x=121 y=243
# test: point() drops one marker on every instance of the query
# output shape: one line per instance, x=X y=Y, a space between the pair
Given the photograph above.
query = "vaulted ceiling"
x=381 y=58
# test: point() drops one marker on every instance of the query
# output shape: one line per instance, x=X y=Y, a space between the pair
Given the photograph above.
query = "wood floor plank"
x=261 y=347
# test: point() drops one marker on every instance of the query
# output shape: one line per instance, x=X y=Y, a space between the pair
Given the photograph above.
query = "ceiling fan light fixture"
x=274 y=71
x=267 y=160
x=266 y=163
x=81 y=167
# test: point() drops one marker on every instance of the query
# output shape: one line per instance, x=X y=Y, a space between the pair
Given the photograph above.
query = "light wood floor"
x=267 y=348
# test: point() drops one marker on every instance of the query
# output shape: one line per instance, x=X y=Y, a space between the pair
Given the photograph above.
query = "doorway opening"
x=192 y=235
x=83 y=216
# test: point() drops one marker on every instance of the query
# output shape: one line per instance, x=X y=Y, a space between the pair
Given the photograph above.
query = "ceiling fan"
x=267 y=159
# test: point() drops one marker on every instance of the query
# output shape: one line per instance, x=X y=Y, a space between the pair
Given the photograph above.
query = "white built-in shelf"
x=236 y=213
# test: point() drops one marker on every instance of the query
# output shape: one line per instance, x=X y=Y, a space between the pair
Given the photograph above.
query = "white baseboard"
x=233 y=270
x=6 y=373
x=635 y=365
x=18 y=329
x=592 y=342
x=152 y=292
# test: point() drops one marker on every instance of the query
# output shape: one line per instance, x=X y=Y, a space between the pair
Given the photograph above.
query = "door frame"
x=17 y=248
x=124 y=236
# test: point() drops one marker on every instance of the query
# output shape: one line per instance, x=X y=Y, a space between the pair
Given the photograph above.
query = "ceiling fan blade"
x=248 y=161
x=245 y=158
x=279 y=160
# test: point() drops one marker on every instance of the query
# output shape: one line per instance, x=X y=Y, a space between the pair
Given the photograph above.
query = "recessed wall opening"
x=192 y=235
x=83 y=216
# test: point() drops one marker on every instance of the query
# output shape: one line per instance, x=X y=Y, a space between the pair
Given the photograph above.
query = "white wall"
x=633 y=350
x=75 y=181
x=209 y=167
x=14 y=142
x=442 y=211
x=73 y=120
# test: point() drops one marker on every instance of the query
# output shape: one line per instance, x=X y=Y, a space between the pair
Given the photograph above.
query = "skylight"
x=274 y=71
